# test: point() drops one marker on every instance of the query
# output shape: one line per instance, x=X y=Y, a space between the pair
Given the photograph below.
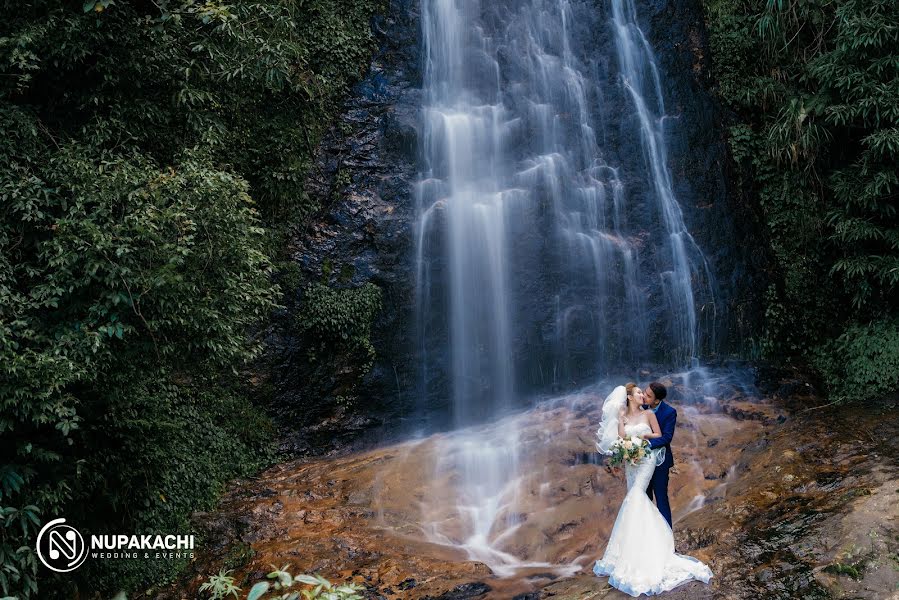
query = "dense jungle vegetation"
x=154 y=150
x=151 y=151
x=814 y=88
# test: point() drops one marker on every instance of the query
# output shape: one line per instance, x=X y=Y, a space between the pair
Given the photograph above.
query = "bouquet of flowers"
x=628 y=451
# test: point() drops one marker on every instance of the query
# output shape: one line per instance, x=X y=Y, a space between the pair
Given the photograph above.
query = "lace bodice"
x=638 y=429
x=639 y=475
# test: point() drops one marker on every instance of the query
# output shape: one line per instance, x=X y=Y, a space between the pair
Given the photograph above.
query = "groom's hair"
x=659 y=390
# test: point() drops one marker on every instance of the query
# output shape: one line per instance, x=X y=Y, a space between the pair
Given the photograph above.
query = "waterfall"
x=464 y=131
x=551 y=248
x=640 y=77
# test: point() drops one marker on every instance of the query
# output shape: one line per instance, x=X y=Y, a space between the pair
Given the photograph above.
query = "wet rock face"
x=363 y=178
x=724 y=224
x=810 y=513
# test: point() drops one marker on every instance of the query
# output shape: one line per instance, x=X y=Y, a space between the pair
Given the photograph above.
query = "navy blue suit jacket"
x=667 y=418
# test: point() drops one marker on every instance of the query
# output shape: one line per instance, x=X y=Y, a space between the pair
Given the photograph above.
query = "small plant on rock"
x=220 y=586
x=322 y=588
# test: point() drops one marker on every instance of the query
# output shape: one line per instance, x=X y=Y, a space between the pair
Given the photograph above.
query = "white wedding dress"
x=640 y=557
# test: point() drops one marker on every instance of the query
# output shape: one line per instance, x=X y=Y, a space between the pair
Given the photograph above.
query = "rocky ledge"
x=783 y=497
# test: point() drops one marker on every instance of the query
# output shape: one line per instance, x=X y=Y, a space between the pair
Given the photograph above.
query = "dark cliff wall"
x=724 y=222
x=364 y=177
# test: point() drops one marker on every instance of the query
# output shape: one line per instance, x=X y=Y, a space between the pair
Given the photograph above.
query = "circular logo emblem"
x=60 y=547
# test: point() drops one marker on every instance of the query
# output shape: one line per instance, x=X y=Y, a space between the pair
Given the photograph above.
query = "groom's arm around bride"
x=667 y=422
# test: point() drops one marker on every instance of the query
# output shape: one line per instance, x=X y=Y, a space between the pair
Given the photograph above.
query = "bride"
x=640 y=557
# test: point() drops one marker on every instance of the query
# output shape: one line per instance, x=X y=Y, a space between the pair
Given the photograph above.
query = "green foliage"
x=279 y=587
x=863 y=358
x=814 y=85
x=203 y=435
x=116 y=280
x=855 y=571
x=248 y=84
x=151 y=153
x=335 y=325
x=220 y=586
x=322 y=589
x=238 y=555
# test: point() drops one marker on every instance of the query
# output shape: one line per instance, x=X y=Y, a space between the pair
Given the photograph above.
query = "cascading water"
x=542 y=234
x=686 y=263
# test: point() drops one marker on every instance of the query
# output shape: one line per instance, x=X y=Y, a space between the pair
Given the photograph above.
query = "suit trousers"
x=658 y=488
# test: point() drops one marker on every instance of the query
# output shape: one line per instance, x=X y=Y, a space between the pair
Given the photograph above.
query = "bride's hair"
x=630 y=387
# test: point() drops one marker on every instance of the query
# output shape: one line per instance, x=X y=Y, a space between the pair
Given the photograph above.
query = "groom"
x=658 y=486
